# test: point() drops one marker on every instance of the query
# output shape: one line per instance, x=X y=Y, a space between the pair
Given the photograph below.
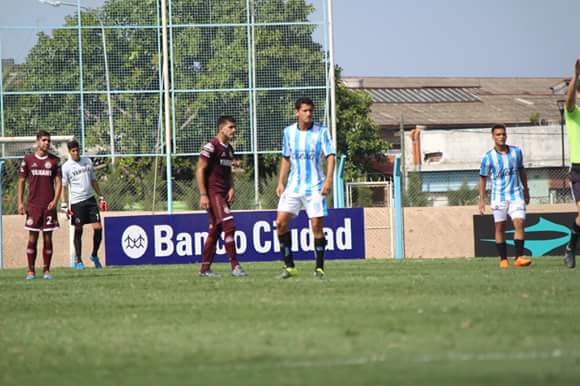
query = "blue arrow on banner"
x=542 y=247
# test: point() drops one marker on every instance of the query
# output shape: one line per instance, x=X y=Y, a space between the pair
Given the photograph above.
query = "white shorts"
x=315 y=204
x=501 y=210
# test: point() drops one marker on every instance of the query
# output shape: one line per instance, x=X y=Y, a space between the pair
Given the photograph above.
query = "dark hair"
x=225 y=119
x=74 y=144
x=498 y=126
x=42 y=133
x=303 y=101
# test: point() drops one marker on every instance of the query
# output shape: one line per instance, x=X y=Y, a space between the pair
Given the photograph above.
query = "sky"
x=407 y=37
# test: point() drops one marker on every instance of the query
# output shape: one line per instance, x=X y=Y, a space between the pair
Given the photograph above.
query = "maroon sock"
x=230 y=242
x=209 y=248
x=31 y=255
x=46 y=254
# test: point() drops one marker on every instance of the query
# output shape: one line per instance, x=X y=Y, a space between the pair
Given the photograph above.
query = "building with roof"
x=447 y=125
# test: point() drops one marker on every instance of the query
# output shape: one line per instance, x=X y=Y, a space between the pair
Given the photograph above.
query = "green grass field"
x=444 y=322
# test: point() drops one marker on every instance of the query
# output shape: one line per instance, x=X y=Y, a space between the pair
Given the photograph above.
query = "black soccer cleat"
x=570 y=258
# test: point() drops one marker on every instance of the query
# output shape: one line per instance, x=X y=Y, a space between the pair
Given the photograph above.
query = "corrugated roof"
x=511 y=101
x=424 y=95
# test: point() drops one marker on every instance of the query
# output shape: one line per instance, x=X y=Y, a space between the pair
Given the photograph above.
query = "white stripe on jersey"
x=306 y=150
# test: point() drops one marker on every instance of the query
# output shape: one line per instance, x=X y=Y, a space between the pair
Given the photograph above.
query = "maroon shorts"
x=41 y=219
x=219 y=210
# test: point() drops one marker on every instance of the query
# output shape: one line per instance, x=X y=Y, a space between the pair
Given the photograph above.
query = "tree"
x=358 y=137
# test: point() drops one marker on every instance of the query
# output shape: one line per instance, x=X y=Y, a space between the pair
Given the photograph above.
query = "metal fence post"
x=399 y=223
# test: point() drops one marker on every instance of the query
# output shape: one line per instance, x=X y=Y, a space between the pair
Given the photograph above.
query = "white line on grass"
x=422 y=358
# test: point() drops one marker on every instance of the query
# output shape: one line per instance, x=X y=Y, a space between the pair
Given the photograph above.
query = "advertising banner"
x=546 y=234
x=179 y=238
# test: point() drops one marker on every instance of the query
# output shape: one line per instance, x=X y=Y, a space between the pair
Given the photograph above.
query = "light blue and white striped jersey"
x=503 y=169
x=306 y=150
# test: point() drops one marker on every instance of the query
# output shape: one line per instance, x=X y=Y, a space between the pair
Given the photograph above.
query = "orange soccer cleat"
x=504 y=263
x=522 y=262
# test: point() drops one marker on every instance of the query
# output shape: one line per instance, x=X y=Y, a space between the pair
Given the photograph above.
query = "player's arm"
x=482 y=183
x=200 y=178
x=330 y=160
x=283 y=175
x=572 y=87
x=57 y=192
x=524 y=178
x=21 y=185
x=231 y=193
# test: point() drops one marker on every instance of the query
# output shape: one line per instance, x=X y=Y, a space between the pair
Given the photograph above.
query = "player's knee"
x=281 y=225
x=229 y=228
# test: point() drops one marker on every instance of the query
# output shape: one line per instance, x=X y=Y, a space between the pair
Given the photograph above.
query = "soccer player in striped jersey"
x=305 y=145
x=573 y=126
x=504 y=166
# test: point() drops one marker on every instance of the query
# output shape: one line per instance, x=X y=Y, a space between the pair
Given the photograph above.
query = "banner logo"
x=134 y=241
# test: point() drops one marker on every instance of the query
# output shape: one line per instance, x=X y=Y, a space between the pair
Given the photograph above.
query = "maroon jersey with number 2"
x=219 y=158
x=40 y=172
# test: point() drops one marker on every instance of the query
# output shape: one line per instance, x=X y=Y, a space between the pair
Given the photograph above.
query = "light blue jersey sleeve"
x=519 y=158
x=286 y=143
x=485 y=166
x=327 y=144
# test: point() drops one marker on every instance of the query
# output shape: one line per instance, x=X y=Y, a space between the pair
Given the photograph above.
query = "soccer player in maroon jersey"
x=216 y=189
x=42 y=171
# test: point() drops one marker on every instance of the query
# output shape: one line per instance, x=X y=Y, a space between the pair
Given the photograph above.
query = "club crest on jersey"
x=34 y=165
x=47 y=165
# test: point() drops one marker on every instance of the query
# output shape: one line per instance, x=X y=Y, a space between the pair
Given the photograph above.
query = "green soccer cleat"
x=288 y=272
x=319 y=273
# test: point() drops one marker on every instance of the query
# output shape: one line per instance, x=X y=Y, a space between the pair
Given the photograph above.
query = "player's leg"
x=317 y=209
x=31 y=254
x=210 y=245
x=46 y=254
x=570 y=257
x=288 y=208
x=500 y=218
x=94 y=218
x=222 y=215
x=77 y=241
x=33 y=224
x=517 y=212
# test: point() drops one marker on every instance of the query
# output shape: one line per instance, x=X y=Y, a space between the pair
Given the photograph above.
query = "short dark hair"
x=498 y=126
x=225 y=119
x=303 y=101
x=42 y=133
x=74 y=144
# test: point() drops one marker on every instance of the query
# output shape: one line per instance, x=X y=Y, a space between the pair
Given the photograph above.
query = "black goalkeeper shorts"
x=85 y=212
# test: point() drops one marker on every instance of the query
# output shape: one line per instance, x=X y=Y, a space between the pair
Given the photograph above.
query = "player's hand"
x=279 y=190
x=527 y=196
x=326 y=188
x=51 y=205
x=481 y=207
x=20 y=209
x=230 y=196
x=204 y=201
x=103 y=204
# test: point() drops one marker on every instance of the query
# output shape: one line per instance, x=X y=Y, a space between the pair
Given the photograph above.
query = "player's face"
x=499 y=137
x=75 y=154
x=304 y=114
x=229 y=130
x=43 y=143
